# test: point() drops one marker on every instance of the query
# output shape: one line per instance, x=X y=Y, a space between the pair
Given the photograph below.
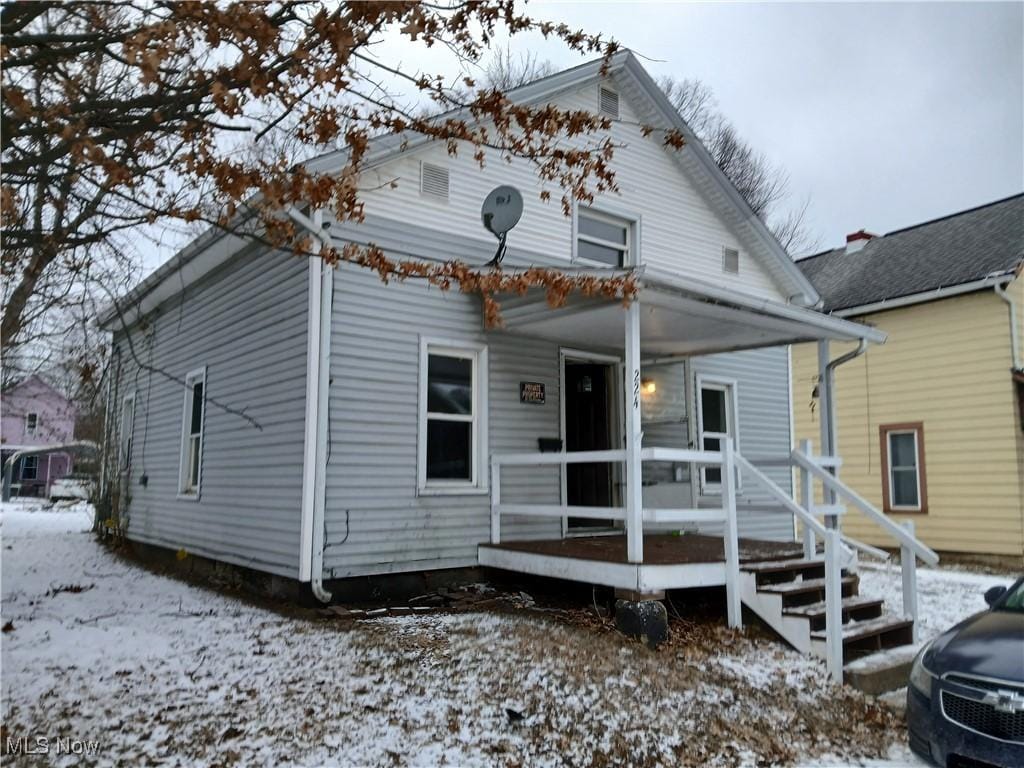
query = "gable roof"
x=694 y=158
x=980 y=243
x=39 y=381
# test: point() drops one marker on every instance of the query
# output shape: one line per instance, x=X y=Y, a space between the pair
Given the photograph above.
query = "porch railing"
x=726 y=514
x=839 y=550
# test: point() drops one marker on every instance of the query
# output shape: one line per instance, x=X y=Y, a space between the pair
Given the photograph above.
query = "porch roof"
x=679 y=316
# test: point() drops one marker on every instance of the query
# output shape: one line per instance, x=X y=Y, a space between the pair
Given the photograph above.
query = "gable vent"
x=731 y=261
x=434 y=180
x=609 y=102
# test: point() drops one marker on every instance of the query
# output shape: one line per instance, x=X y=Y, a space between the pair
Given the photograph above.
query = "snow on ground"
x=159 y=671
x=945 y=596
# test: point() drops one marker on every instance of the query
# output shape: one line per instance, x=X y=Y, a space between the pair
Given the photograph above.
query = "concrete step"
x=807 y=591
x=883 y=671
x=781 y=571
x=856 y=608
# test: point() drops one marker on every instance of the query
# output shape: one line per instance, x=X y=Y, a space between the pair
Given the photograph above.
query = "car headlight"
x=920 y=677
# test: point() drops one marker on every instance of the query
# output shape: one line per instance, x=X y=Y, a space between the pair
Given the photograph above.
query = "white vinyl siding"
x=685 y=221
x=247 y=322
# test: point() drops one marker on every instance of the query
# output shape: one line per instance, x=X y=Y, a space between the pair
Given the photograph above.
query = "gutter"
x=1015 y=356
x=314 y=465
x=991 y=281
x=836 y=327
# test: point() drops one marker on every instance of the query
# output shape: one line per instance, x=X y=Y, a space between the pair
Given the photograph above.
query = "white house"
x=325 y=426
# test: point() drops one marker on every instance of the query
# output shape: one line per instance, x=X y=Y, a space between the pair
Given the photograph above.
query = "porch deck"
x=670 y=561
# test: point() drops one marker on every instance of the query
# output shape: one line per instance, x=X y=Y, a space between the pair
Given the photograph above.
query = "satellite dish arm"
x=500 y=253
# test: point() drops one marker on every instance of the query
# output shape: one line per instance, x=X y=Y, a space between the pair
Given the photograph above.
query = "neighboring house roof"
x=39 y=381
x=694 y=158
x=983 y=243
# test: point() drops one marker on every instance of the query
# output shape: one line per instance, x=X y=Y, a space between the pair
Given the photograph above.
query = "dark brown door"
x=588 y=427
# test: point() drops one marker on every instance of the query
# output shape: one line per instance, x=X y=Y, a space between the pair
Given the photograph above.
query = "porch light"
x=648 y=386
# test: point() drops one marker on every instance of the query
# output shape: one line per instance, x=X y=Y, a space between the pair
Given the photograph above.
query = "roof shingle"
x=956 y=249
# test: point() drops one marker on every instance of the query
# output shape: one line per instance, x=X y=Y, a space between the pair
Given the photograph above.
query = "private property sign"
x=531 y=392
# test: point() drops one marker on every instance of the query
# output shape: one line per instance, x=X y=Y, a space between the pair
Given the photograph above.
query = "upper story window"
x=31 y=423
x=194 y=411
x=602 y=239
x=903 y=478
x=452 y=444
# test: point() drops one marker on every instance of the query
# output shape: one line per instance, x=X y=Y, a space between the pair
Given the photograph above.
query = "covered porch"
x=670 y=320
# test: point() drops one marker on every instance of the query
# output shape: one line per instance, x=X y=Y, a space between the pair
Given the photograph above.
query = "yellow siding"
x=946 y=364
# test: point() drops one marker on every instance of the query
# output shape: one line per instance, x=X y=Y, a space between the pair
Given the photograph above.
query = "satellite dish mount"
x=501 y=211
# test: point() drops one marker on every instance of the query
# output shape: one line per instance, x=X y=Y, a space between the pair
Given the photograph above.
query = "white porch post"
x=807 y=501
x=833 y=606
x=634 y=486
x=730 y=537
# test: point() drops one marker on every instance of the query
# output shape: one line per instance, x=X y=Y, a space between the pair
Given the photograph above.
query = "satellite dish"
x=501 y=210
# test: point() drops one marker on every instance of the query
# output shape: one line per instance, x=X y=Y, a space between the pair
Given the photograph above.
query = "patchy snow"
x=156 y=670
x=945 y=596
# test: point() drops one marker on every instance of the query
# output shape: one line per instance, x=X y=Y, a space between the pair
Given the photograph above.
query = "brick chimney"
x=857 y=240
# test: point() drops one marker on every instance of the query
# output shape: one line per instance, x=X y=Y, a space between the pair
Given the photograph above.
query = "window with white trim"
x=192 y=422
x=127 y=430
x=31 y=423
x=903 y=459
x=30 y=468
x=716 y=420
x=602 y=239
x=452 y=443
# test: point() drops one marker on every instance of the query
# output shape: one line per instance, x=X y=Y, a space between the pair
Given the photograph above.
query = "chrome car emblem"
x=1005 y=701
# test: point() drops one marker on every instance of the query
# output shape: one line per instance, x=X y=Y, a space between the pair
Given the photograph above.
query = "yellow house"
x=930 y=425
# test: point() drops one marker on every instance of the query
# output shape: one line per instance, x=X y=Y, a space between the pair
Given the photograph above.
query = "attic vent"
x=609 y=102
x=434 y=180
x=731 y=261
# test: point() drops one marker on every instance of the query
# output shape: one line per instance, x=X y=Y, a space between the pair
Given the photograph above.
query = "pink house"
x=34 y=414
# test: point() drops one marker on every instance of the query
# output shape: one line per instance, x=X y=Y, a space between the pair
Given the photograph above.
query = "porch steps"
x=789 y=596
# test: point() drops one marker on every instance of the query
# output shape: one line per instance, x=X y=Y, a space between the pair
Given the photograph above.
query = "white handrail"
x=893 y=529
x=561 y=457
x=782 y=497
x=681 y=455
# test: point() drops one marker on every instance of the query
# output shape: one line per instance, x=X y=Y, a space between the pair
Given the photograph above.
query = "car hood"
x=989 y=644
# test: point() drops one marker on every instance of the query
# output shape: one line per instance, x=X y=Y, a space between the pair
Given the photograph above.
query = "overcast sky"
x=884 y=114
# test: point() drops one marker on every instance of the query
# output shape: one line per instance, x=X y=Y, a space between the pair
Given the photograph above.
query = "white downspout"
x=829 y=441
x=314 y=476
x=1014 y=327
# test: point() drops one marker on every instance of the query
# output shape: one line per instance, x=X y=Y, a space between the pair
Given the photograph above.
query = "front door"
x=589 y=426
